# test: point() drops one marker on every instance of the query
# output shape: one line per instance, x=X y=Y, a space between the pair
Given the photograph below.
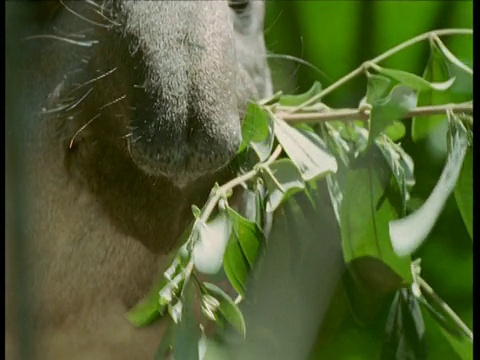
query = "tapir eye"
x=239 y=6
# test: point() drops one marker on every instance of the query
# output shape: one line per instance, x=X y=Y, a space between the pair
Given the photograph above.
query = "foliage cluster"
x=295 y=144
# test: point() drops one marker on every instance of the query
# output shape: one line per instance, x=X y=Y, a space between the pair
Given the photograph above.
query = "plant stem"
x=225 y=188
x=444 y=306
x=364 y=115
x=380 y=58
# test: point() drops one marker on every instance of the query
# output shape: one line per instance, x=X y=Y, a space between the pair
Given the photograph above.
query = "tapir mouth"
x=183 y=142
x=182 y=162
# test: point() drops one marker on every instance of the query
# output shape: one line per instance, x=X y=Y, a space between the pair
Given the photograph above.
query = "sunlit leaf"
x=369 y=202
x=210 y=246
x=393 y=107
x=405 y=329
x=436 y=70
x=296 y=100
x=413 y=81
x=283 y=179
x=306 y=150
x=257 y=131
x=464 y=191
x=227 y=308
x=408 y=234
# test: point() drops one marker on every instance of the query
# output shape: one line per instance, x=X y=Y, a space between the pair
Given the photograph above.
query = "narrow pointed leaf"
x=408 y=234
x=296 y=100
x=436 y=70
x=257 y=132
x=401 y=165
x=414 y=81
x=450 y=346
x=146 y=311
x=187 y=332
x=248 y=235
x=464 y=191
x=405 y=329
x=387 y=110
x=236 y=266
x=228 y=309
x=283 y=180
x=370 y=201
x=377 y=87
x=306 y=150
x=452 y=58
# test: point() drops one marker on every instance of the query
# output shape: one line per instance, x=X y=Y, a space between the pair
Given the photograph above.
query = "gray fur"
x=121 y=134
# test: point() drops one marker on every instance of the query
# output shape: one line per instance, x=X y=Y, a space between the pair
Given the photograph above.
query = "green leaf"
x=369 y=203
x=243 y=248
x=306 y=150
x=445 y=344
x=248 y=235
x=436 y=70
x=187 y=333
x=408 y=234
x=452 y=58
x=228 y=309
x=377 y=87
x=413 y=81
x=257 y=131
x=401 y=165
x=346 y=140
x=396 y=131
x=283 y=180
x=164 y=348
x=405 y=329
x=210 y=245
x=251 y=204
x=296 y=100
x=393 y=107
x=146 y=311
x=464 y=191
x=236 y=267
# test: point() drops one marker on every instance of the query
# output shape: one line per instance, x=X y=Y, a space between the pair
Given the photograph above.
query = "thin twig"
x=380 y=58
x=363 y=114
x=442 y=304
x=225 y=188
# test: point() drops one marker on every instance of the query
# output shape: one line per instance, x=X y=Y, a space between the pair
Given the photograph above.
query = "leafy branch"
x=427 y=289
x=361 y=69
x=222 y=191
x=363 y=113
x=282 y=156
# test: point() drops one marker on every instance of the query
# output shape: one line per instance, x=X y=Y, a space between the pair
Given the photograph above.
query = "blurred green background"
x=338 y=36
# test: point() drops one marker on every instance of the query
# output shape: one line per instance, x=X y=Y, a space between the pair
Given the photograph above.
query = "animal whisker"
x=300 y=61
x=94 y=80
x=117 y=100
x=83 y=17
x=82 y=128
x=88 y=43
